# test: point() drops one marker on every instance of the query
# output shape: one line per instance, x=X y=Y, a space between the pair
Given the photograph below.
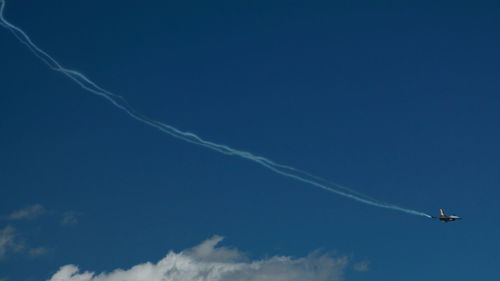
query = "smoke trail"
x=287 y=171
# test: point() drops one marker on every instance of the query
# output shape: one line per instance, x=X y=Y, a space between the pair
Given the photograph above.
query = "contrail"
x=287 y=171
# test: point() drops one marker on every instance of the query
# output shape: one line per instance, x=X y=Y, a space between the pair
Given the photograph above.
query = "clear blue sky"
x=397 y=101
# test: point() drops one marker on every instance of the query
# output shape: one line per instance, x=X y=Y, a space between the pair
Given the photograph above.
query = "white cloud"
x=9 y=242
x=206 y=262
x=30 y=212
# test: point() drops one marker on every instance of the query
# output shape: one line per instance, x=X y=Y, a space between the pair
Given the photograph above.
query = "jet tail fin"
x=441 y=213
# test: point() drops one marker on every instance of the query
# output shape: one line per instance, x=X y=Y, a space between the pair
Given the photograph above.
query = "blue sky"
x=397 y=101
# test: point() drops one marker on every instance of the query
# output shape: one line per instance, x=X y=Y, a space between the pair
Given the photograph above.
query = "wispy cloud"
x=362 y=266
x=30 y=212
x=69 y=218
x=37 y=252
x=206 y=262
x=9 y=243
x=12 y=242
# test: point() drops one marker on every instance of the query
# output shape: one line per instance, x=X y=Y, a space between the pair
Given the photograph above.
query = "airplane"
x=445 y=218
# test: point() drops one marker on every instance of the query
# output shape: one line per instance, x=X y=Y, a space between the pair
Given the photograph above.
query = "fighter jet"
x=445 y=218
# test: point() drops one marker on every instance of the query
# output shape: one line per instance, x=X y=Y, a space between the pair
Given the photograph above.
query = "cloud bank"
x=207 y=262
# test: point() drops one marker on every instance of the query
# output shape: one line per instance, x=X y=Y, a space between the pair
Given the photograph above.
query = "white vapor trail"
x=119 y=102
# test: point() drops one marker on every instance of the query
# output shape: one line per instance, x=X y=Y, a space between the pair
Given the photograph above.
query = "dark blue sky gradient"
x=398 y=102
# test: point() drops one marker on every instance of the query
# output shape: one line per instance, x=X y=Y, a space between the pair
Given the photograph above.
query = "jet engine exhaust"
x=119 y=102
